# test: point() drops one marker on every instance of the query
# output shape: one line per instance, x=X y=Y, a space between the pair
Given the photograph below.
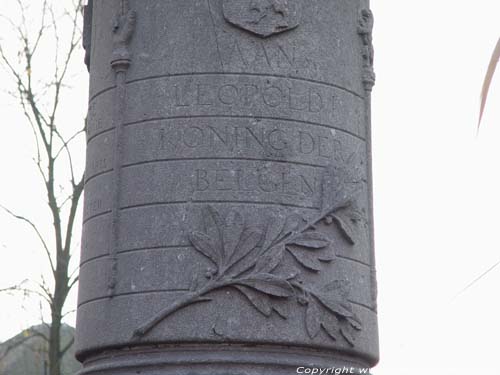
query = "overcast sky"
x=437 y=190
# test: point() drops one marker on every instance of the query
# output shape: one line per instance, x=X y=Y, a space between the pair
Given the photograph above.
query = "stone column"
x=228 y=218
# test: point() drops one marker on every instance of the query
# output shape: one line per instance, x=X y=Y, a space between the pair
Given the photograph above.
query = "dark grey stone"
x=228 y=217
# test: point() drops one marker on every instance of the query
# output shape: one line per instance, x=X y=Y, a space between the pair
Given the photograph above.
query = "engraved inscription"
x=255 y=55
x=94 y=123
x=244 y=181
x=246 y=96
x=259 y=181
x=99 y=164
x=268 y=94
x=93 y=207
x=246 y=140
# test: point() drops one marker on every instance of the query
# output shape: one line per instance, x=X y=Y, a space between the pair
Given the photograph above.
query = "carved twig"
x=189 y=299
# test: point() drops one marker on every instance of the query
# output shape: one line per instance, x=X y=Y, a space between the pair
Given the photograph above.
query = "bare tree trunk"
x=55 y=343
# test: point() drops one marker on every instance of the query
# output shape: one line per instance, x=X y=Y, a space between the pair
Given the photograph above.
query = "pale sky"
x=437 y=190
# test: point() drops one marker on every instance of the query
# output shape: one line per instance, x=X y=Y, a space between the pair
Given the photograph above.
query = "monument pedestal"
x=223 y=359
x=227 y=215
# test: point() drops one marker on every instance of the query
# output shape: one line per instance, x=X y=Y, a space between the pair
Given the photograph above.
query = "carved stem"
x=189 y=299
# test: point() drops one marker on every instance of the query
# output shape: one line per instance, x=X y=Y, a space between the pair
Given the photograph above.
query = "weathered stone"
x=228 y=220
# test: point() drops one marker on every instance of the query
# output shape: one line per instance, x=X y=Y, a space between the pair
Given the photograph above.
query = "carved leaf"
x=327 y=258
x=274 y=228
x=280 y=311
x=346 y=333
x=338 y=307
x=203 y=244
x=355 y=323
x=269 y=261
x=246 y=253
x=331 y=329
x=269 y=284
x=214 y=225
x=249 y=240
x=313 y=323
x=346 y=228
x=288 y=272
x=305 y=259
x=339 y=289
x=311 y=240
x=260 y=301
x=292 y=224
x=233 y=230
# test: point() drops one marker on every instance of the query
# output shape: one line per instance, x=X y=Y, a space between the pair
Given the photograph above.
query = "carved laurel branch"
x=248 y=259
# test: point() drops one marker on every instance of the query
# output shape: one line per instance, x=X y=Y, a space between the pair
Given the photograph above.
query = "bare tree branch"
x=495 y=57
x=35 y=229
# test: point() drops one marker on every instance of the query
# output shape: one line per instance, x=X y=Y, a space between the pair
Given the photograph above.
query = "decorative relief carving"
x=255 y=259
x=365 y=30
x=87 y=31
x=263 y=17
x=123 y=30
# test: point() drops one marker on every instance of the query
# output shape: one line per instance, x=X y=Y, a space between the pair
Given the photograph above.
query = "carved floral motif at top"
x=124 y=26
x=250 y=259
x=263 y=17
x=365 y=30
x=87 y=31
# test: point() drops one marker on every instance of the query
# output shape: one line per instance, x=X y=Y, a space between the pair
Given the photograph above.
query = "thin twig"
x=35 y=228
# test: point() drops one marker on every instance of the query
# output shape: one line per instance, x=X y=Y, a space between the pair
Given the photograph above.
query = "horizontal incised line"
x=180 y=246
x=97 y=175
x=99 y=93
x=281 y=76
x=146 y=205
x=133 y=294
x=223 y=159
x=91 y=138
x=184 y=117
x=129 y=251
x=154 y=248
x=180 y=291
x=90 y=260
x=96 y=216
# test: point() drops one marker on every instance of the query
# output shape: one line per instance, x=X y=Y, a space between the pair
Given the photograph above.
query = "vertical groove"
x=120 y=98
x=123 y=32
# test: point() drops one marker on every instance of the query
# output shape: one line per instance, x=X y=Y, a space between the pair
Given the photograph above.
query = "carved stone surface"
x=263 y=17
x=227 y=218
